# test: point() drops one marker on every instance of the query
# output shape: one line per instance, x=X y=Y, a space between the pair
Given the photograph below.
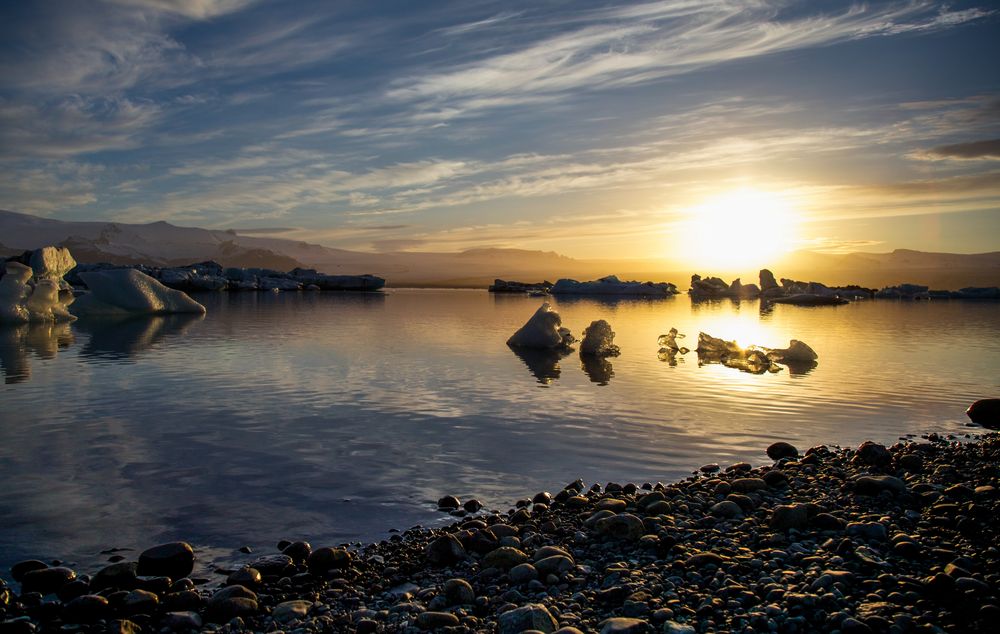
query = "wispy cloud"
x=652 y=41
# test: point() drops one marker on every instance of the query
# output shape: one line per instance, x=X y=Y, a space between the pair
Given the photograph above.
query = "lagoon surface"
x=336 y=417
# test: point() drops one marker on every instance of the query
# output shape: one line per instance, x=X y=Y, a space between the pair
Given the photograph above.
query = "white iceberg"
x=24 y=298
x=598 y=340
x=129 y=292
x=51 y=263
x=543 y=331
x=611 y=285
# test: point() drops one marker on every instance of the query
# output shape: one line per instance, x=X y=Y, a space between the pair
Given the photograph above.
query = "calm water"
x=335 y=417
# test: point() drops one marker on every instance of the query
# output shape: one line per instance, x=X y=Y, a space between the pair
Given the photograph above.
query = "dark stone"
x=121 y=576
x=226 y=610
x=46 y=580
x=245 y=576
x=434 y=620
x=782 y=449
x=449 y=502
x=86 y=609
x=298 y=551
x=873 y=453
x=775 y=478
x=273 y=565
x=140 y=602
x=72 y=590
x=18 y=570
x=445 y=550
x=175 y=560
x=985 y=412
x=473 y=505
x=182 y=601
x=323 y=559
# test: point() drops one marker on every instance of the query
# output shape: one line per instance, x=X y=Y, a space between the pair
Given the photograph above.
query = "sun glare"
x=737 y=232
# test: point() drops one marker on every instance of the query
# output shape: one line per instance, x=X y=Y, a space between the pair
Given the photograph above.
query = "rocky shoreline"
x=875 y=539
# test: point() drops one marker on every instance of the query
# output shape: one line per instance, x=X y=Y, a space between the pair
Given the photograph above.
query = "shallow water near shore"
x=335 y=417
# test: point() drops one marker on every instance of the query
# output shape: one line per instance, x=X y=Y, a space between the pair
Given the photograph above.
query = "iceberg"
x=130 y=292
x=543 y=331
x=598 y=340
x=798 y=357
x=611 y=285
x=796 y=352
x=716 y=288
x=26 y=298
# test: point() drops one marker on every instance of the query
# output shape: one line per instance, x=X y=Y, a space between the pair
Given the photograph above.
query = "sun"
x=737 y=232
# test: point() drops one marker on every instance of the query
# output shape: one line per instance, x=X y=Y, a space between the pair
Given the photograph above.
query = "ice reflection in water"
x=18 y=342
x=335 y=417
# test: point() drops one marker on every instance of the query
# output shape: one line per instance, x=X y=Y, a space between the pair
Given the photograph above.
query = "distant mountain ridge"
x=163 y=244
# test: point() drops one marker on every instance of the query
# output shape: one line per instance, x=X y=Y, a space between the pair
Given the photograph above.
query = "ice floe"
x=130 y=292
x=598 y=340
x=543 y=331
x=611 y=285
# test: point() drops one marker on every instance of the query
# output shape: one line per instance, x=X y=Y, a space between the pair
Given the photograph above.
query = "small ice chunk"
x=598 y=340
x=543 y=330
x=796 y=352
x=668 y=342
x=130 y=292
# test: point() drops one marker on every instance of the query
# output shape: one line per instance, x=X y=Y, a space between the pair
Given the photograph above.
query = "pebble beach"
x=869 y=539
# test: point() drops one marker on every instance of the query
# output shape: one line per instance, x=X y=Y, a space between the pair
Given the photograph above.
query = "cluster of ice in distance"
x=544 y=331
x=38 y=293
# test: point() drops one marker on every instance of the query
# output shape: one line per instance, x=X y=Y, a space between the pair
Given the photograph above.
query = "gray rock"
x=140 y=602
x=445 y=550
x=554 y=565
x=434 y=620
x=867 y=530
x=621 y=526
x=288 y=611
x=532 y=616
x=459 y=592
x=873 y=485
x=787 y=516
x=523 y=573
x=504 y=558
x=727 y=509
x=181 y=621
x=623 y=625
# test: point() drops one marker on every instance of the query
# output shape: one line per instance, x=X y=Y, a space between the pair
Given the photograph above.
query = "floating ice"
x=129 y=292
x=542 y=331
x=799 y=357
x=668 y=342
x=598 y=340
x=796 y=352
x=24 y=298
x=611 y=285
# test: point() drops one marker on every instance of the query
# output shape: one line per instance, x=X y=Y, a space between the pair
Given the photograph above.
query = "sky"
x=595 y=129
